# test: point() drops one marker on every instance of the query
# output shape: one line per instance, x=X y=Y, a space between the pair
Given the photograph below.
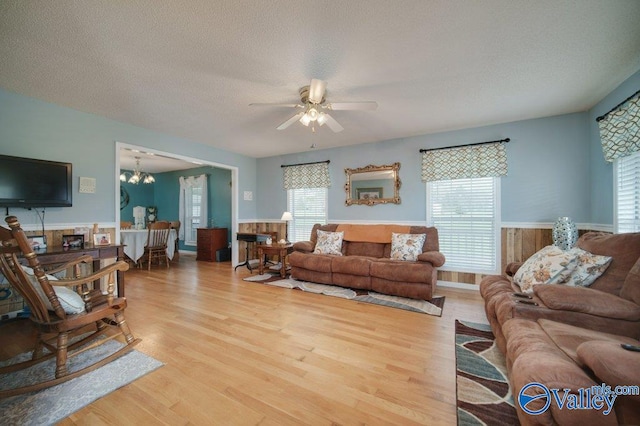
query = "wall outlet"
x=248 y=195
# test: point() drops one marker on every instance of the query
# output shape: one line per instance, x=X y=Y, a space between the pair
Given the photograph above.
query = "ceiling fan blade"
x=290 y=121
x=316 y=91
x=278 y=105
x=332 y=123
x=337 y=106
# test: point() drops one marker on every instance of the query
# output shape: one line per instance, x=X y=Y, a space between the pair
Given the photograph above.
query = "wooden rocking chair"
x=59 y=313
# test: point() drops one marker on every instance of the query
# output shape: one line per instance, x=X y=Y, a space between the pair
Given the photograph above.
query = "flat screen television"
x=27 y=182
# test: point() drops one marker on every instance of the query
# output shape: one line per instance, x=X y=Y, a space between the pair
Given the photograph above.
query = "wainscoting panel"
x=279 y=228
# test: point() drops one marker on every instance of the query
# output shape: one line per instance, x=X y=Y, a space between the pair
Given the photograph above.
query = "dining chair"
x=156 y=246
x=70 y=316
x=175 y=224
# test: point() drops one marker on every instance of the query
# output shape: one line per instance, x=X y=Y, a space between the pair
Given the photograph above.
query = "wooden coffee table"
x=281 y=250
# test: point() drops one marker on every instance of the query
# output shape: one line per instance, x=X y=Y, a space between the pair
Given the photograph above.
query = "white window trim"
x=497 y=233
x=616 y=170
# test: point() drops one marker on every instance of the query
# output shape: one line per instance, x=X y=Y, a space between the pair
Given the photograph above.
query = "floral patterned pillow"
x=406 y=246
x=551 y=265
x=329 y=243
x=589 y=267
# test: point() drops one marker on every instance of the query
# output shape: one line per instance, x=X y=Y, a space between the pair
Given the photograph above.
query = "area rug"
x=53 y=404
x=483 y=396
x=432 y=307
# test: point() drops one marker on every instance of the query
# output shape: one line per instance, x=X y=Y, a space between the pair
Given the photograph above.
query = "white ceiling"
x=191 y=68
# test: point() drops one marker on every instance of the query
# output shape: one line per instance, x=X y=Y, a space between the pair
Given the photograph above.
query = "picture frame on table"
x=368 y=193
x=38 y=242
x=73 y=241
x=101 y=239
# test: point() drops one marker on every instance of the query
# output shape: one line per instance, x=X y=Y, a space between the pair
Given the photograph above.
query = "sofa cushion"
x=589 y=267
x=406 y=246
x=625 y=250
x=631 y=287
x=353 y=265
x=329 y=243
x=313 y=262
x=394 y=270
x=375 y=250
x=550 y=265
x=568 y=337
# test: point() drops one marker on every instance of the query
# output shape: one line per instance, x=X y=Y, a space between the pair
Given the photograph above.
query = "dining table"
x=134 y=241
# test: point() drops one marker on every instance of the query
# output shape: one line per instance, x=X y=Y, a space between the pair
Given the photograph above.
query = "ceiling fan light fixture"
x=321 y=118
x=313 y=114
x=305 y=119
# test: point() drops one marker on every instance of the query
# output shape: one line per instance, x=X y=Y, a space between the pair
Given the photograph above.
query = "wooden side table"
x=281 y=250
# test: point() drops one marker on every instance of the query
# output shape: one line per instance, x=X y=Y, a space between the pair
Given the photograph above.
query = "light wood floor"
x=237 y=352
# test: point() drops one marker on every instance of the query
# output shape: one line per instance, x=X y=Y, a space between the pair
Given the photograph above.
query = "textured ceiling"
x=191 y=68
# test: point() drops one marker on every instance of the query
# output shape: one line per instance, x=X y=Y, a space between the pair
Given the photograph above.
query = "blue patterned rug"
x=483 y=395
x=53 y=404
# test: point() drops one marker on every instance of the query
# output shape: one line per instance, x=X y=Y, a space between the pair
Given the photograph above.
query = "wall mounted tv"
x=27 y=182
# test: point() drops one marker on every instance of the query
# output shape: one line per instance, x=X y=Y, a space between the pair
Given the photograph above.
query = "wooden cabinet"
x=209 y=241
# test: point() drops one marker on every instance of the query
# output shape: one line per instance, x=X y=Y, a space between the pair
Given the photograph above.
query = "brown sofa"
x=571 y=338
x=366 y=264
x=611 y=304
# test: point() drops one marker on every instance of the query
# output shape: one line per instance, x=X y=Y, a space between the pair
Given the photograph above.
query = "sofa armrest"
x=304 y=246
x=434 y=257
x=610 y=363
x=512 y=268
x=586 y=300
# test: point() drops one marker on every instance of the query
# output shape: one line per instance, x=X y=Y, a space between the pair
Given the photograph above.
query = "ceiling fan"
x=314 y=107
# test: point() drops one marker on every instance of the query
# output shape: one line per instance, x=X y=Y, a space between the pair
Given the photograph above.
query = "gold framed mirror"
x=373 y=185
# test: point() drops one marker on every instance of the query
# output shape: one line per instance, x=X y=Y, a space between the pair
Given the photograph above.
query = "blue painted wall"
x=548 y=171
x=37 y=129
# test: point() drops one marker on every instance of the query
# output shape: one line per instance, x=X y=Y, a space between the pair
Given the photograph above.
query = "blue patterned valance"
x=471 y=161
x=620 y=129
x=314 y=175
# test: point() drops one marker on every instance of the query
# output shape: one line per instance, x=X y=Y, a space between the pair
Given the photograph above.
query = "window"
x=193 y=202
x=627 y=193
x=193 y=207
x=466 y=214
x=308 y=206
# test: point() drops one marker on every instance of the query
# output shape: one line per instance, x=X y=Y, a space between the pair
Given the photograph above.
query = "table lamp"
x=287 y=217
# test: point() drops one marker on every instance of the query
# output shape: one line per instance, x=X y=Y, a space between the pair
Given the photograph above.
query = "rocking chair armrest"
x=85 y=258
x=120 y=265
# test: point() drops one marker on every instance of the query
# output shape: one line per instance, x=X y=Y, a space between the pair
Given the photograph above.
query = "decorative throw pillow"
x=550 y=265
x=329 y=243
x=70 y=301
x=406 y=246
x=589 y=267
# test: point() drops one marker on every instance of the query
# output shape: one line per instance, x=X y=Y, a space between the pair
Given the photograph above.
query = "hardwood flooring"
x=241 y=353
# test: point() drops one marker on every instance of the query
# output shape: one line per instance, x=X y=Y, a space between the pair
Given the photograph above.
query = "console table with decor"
x=57 y=255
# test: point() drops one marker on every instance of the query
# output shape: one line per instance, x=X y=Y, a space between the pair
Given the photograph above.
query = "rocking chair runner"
x=59 y=313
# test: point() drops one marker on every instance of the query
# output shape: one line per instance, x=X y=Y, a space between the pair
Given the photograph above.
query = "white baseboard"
x=463 y=286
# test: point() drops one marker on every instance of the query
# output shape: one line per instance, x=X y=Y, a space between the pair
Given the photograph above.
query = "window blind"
x=308 y=206
x=628 y=193
x=466 y=214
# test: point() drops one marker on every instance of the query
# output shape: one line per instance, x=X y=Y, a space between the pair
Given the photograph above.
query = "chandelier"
x=137 y=175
